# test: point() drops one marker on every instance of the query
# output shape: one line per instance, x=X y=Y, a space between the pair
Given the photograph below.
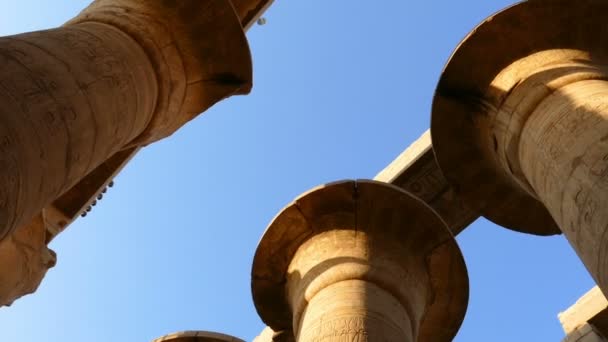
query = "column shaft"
x=564 y=155
x=356 y=284
x=355 y=310
x=71 y=97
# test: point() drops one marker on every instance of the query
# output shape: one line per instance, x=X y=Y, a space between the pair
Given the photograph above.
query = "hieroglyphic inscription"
x=340 y=329
x=356 y=328
x=70 y=100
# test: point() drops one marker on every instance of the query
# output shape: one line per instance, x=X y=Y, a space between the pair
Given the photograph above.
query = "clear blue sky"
x=341 y=88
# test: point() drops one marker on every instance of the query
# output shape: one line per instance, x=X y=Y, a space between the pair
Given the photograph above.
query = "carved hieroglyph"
x=79 y=100
x=123 y=73
x=360 y=261
x=522 y=133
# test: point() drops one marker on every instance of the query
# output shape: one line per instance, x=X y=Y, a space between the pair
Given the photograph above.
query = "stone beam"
x=24 y=260
x=585 y=333
x=68 y=207
x=64 y=210
x=590 y=310
x=416 y=171
x=71 y=204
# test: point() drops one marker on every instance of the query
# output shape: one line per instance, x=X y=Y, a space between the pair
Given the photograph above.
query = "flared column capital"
x=531 y=48
x=197 y=336
x=368 y=232
x=198 y=49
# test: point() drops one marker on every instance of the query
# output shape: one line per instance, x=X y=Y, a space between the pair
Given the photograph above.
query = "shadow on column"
x=520 y=123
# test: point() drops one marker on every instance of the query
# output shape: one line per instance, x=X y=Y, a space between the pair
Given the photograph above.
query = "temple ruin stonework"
x=347 y=260
x=519 y=136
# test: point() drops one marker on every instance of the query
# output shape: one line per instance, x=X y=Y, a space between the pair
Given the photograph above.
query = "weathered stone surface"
x=521 y=134
x=80 y=100
x=102 y=83
x=198 y=51
x=591 y=309
x=269 y=335
x=197 y=336
x=358 y=261
x=585 y=333
x=417 y=172
x=600 y=322
x=24 y=260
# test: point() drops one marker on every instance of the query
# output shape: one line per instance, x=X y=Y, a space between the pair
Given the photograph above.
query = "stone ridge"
x=197 y=336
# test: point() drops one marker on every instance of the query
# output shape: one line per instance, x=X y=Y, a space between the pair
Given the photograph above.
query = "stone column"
x=123 y=73
x=360 y=261
x=197 y=336
x=520 y=123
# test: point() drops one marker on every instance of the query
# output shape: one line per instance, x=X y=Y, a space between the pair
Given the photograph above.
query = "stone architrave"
x=197 y=336
x=520 y=123
x=588 y=317
x=585 y=333
x=123 y=73
x=359 y=261
x=416 y=171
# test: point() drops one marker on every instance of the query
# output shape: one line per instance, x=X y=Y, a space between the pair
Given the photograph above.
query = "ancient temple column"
x=360 y=261
x=520 y=123
x=123 y=73
x=197 y=336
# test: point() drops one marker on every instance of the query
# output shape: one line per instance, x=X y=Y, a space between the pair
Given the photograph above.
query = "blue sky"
x=340 y=89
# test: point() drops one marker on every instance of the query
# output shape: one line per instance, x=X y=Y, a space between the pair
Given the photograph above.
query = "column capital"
x=484 y=71
x=197 y=336
x=198 y=49
x=361 y=231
